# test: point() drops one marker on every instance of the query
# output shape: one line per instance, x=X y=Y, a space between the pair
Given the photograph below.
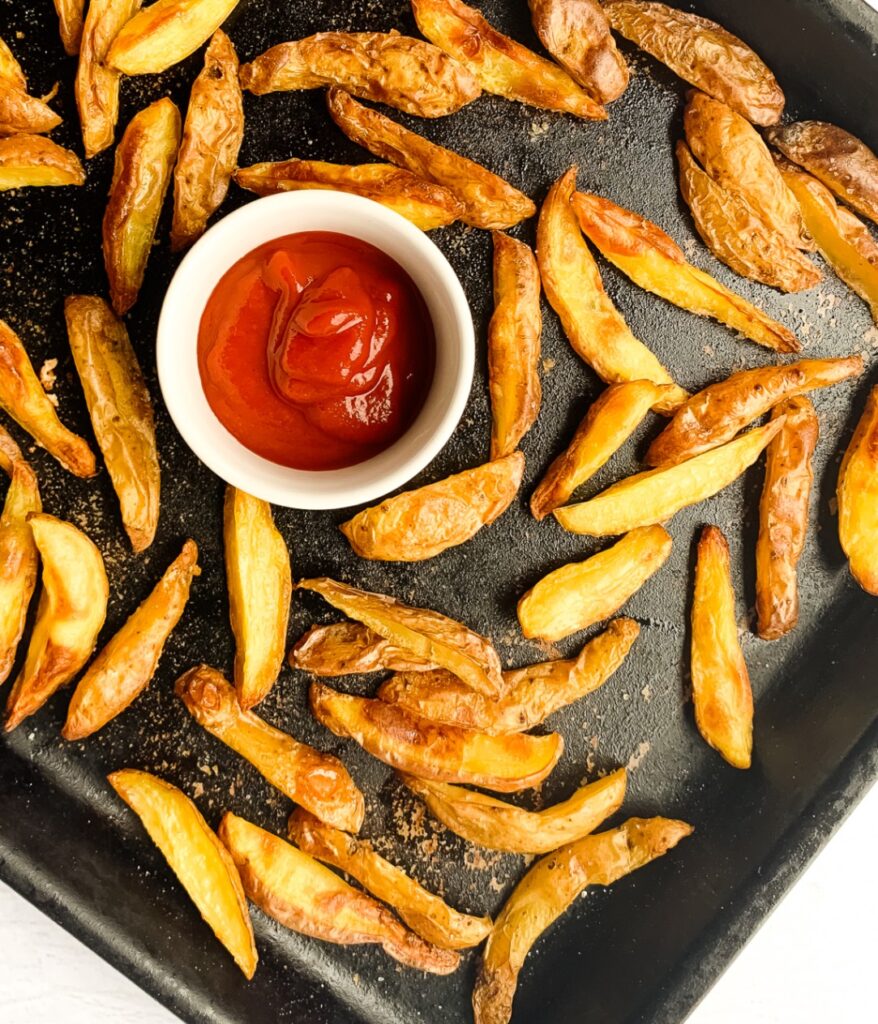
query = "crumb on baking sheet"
x=637 y=757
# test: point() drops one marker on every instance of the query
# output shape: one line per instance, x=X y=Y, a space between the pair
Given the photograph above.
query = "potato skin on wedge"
x=10 y=69
x=32 y=161
x=349 y=648
x=70 y=13
x=857 y=495
x=21 y=113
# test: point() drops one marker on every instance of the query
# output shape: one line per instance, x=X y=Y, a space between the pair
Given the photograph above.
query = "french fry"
x=120 y=410
x=317 y=781
x=419 y=524
x=783 y=517
x=31 y=160
x=71 y=611
x=548 y=889
x=348 y=648
x=70 y=13
x=501 y=65
x=720 y=681
x=303 y=895
x=656 y=495
x=487 y=200
x=426 y=914
x=580 y=594
x=857 y=496
x=444 y=753
x=10 y=70
x=125 y=667
x=20 y=113
x=201 y=863
x=572 y=282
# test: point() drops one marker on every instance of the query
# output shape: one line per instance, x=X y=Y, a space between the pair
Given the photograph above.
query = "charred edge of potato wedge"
x=350 y=648
x=857 y=496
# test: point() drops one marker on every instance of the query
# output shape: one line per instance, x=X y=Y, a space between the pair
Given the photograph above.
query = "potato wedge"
x=487 y=200
x=501 y=65
x=71 y=611
x=419 y=524
x=317 y=781
x=303 y=895
x=720 y=682
x=654 y=261
x=442 y=752
x=20 y=113
x=260 y=587
x=427 y=915
x=715 y=414
x=548 y=889
x=426 y=204
x=70 y=16
x=201 y=863
x=431 y=636
x=580 y=594
x=572 y=282
x=120 y=410
x=142 y=172
x=783 y=517
x=349 y=648
x=165 y=33
x=656 y=495
x=212 y=137
x=125 y=667
x=857 y=495
x=532 y=693
x=31 y=160
x=496 y=825
x=10 y=70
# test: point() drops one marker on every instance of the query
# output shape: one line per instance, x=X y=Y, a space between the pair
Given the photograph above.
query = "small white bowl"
x=177 y=348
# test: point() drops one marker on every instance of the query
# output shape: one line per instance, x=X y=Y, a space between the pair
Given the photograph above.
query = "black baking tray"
x=648 y=949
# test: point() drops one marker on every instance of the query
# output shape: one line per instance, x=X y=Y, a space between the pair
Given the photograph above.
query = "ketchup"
x=316 y=350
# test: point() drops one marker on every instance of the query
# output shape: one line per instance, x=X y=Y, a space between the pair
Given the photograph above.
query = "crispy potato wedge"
x=857 y=495
x=120 y=410
x=201 y=863
x=656 y=495
x=70 y=17
x=427 y=915
x=572 y=282
x=654 y=261
x=419 y=524
x=429 y=635
x=532 y=693
x=432 y=751
x=715 y=414
x=20 y=113
x=317 y=781
x=548 y=889
x=31 y=160
x=125 y=667
x=783 y=517
x=212 y=136
x=580 y=594
x=260 y=587
x=720 y=681
x=501 y=65
x=496 y=825
x=303 y=895
x=10 y=70
x=514 y=344
x=487 y=200
x=349 y=648
x=71 y=611
x=142 y=172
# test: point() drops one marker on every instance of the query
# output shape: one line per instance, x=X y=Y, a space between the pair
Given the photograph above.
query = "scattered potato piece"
x=10 y=70
x=348 y=648
x=70 y=14
x=857 y=495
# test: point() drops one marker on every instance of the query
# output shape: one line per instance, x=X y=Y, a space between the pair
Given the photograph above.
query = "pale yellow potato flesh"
x=857 y=496
x=32 y=161
x=349 y=648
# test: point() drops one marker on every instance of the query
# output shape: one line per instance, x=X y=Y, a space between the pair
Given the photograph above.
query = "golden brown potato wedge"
x=212 y=136
x=720 y=681
x=142 y=172
x=654 y=261
x=20 y=113
x=548 y=889
x=419 y=524
x=431 y=636
x=302 y=894
x=10 y=70
x=31 y=160
x=71 y=611
x=491 y=823
x=487 y=200
x=783 y=517
x=120 y=410
x=656 y=495
x=573 y=286
x=857 y=495
x=260 y=587
x=427 y=915
x=317 y=781
x=501 y=65
x=201 y=863
x=348 y=648
x=432 y=751
x=70 y=14
x=715 y=414
x=532 y=693
x=124 y=667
